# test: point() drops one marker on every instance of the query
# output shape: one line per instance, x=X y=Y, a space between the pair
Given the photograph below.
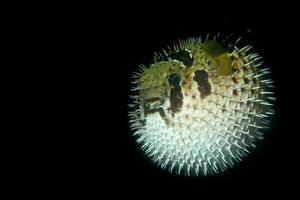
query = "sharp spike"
x=265 y=92
x=207 y=36
x=258 y=75
x=237 y=41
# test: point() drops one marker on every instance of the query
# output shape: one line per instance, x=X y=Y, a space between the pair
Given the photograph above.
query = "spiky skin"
x=200 y=107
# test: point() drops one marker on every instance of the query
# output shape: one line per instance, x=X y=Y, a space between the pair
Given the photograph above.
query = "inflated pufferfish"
x=201 y=106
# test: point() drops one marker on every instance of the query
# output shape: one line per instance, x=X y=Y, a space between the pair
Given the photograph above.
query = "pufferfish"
x=201 y=106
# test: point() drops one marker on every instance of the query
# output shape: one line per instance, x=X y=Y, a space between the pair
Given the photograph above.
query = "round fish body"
x=201 y=107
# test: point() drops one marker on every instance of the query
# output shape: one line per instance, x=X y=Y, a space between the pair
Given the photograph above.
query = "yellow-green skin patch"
x=220 y=59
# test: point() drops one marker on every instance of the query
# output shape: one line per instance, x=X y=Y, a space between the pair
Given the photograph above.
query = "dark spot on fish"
x=235 y=111
x=201 y=77
x=235 y=80
x=246 y=80
x=163 y=116
x=183 y=56
x=234 y=70
x=234 y=92
x=174 y=80
x=176 y=99
x=194 y=96
x=195 y=107
x=223 y=108
x=162 y=112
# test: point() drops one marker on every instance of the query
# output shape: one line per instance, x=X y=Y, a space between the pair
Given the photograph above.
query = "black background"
x=112 y=45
